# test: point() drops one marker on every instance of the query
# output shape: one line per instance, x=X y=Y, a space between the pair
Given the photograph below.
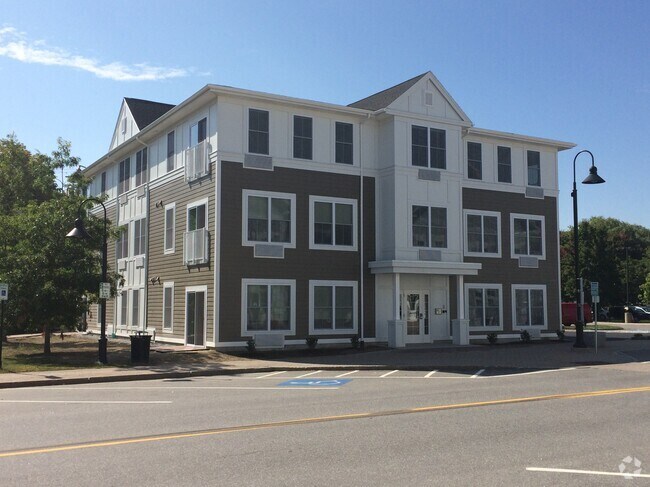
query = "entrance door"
x=195 y=318
x=416 y=314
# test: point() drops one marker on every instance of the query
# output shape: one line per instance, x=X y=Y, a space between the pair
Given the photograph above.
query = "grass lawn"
x=76 y=350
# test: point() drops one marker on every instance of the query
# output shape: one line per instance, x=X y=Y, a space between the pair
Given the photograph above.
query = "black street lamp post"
x=593 y=178
x=80 y=232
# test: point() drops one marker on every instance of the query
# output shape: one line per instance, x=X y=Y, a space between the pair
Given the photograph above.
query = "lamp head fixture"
x=593 y=177
x=79 y=231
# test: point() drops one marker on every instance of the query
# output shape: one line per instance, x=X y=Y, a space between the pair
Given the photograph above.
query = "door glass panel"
x=426 y=314
x=199 y=319
x=191 y=306
x=412 y=314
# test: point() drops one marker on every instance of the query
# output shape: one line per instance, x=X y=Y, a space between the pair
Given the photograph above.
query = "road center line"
x=307 y=375
x=588 y=472
x=388 y=373
x=347 y=373
x=80 y=402
x=322 y=419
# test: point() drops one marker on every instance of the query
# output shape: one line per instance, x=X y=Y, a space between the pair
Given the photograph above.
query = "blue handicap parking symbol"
x=315 y=382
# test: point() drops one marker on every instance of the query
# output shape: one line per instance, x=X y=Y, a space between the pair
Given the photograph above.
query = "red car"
x=569 y=313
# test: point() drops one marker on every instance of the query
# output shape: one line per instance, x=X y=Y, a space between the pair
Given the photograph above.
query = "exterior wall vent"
x=124 y=199
x=429 y=254
x=428 y=174
x=533 y=192
x=256 y=161
x=121 y=265
x=529 y=262
x=139 y=261
x=268 y=340
x=142 y=191
x=269 y=251
x=428 y=98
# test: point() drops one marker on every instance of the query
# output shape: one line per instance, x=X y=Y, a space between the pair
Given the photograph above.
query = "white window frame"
x=410 y=147
x=123 y=127
x=522 y=216
x=122 y=297
x=482 y=213
x=267 y=194
x=355 y=308
x=354 y=143
x=355 y=227
x=204 y=290
x=267 y=282
x=485 y=286
x=528 y=287
x=247 y=130
x=142 y=224
x=195 y=204
x=429 y=206
x=172 y=249
x=168 y=285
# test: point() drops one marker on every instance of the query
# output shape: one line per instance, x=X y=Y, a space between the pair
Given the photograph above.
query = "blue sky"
x=577 y=71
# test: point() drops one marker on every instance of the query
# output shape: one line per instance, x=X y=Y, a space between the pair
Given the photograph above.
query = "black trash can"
x=140 y=345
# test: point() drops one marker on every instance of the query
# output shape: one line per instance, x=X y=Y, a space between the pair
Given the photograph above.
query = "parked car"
x=640 y=312
x=569 y=314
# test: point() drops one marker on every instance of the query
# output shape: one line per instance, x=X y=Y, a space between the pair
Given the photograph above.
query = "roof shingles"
x=145 y=112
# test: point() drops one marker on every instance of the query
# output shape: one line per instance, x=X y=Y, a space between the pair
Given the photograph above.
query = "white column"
x=396 y=293
x=461 y=297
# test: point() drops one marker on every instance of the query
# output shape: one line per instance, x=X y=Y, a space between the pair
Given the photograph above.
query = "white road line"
x=588 y=472
x=478 y=373
x=388 y=373
x=161 y=388
x=430 y=374
x=81 y=402
x=269 y=375
x=517 y=374
x=347 y=373
x=306 y=375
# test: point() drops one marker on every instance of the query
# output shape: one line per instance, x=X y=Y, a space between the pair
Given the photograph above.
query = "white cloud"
x=15 y=45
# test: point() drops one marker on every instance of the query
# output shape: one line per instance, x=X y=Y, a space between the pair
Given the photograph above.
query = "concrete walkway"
x=542 y=355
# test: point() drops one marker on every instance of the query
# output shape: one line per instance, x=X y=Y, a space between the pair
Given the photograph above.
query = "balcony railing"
x=197 y=164
x=196 y=247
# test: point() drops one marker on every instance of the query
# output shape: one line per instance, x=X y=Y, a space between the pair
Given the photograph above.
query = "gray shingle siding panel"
x=386 y=97
x=145 y=112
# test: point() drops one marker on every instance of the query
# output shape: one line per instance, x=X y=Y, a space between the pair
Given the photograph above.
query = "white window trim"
x=495 y=157
x=293 y=136
x=195 y=204
x=131 y=307
x=410 y=146
x=355 y=229
x=355 y=307
x=514 y=287
x=267 y=194
x=484 y=286
x=355 y=143
x=512 y=235
x=410 y=227
x=123 y=295
x=192 y=289
x=482 y=213
x=139 y=221
x=247 y=127
x=168 y=285
x=171 y=250
x=267 y=282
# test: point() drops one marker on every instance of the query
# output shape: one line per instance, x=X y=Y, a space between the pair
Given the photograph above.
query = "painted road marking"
x=306 y=375
x=478 y=373
x=81 y=402
x=347 y=373
x=516 y=374
x=430 y=374
x=314 y=382
x=323 y=419
x=589 y=472
x=271 y=374
x=164 y=388
x=387 y=374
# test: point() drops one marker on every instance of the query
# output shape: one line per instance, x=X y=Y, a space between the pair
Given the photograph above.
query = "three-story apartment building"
x=250 y=215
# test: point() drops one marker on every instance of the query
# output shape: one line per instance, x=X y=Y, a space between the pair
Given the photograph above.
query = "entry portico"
x=414 y=299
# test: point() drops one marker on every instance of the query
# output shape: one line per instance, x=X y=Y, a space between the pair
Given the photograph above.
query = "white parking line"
x=478 y=373
x=271 y=374
x=430 y=374
x=517 y=374
x=388 y=373
x=347 y=373
x=81 y=402
x=306 y=375
x=589 y=472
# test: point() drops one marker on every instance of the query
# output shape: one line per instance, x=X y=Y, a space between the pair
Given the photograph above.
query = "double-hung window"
x=483 y=303
x=504 y=160
x=122 y=244
x=428 y=147
x=534 y=168
x=343 y=149
x=168 y=306
x=474 y=161
x=268 y=306
x=139 y=236
x=333 y=223
x=527 y=235
x=302 y=137
x=529 y=305
x=124 y=176
x=429 y=226
x=103 y=184
x=141 y=167
x=170 y=151
x=258 y=131
x=482 y=234
x=170 y=228
x=333 y=307
x=135 y=308
x=269 y=217
x=198 y=132
x=196 y=240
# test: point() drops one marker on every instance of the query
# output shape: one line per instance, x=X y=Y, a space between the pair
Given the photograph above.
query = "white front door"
x=415 y=311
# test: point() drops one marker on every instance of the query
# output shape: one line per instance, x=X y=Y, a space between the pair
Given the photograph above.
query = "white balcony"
x=196 y=247
x=197 y=164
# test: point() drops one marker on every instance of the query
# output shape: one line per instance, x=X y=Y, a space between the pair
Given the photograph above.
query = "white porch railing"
x=197 y=164
x=196 y=247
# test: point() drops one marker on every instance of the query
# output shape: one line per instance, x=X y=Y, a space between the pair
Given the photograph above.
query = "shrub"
x=355 y=342
x=492 y=338
x=560 y=335
x=525 y=336
x=311 y=342
x=250 y=345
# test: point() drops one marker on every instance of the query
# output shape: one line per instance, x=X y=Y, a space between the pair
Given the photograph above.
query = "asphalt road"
x=380 y=428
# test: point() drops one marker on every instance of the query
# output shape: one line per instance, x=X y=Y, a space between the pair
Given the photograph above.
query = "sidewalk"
x=533 y=356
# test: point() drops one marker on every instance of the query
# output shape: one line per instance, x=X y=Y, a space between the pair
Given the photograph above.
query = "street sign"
x=104 y=290
x=594 y=289
x=315 y=382
x=4 y=291
x=595 y=299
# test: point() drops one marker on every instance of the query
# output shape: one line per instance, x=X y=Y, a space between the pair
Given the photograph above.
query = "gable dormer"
x=134 y=116
x=422 y=95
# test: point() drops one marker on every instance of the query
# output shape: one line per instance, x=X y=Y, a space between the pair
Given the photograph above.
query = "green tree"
x=47 y=273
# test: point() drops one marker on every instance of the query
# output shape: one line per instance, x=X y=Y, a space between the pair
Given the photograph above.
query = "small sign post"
x=596 y=299
x=4 y=296
x=104 y=290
